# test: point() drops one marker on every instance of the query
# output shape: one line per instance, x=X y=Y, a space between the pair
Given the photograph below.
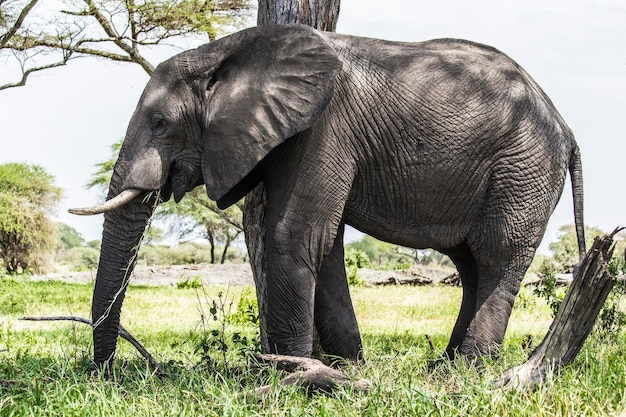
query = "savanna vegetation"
x=206 y=349
x=27 y=198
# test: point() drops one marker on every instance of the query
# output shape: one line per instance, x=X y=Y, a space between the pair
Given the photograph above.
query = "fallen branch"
x=309 y=373
x=122 y=332
x=573 y=322
x=453 y=279
x=415 y=280
x=5 y=383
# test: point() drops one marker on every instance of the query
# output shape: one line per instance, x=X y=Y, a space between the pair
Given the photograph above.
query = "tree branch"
x=309 y=373
x=4 y=39
x=122 y=332
x=109 y=29
x=29 y=71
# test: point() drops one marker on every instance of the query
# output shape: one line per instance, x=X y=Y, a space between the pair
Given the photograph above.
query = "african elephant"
x=445 y=144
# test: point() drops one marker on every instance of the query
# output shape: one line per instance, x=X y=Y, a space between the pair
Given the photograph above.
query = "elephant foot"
x=311 y=374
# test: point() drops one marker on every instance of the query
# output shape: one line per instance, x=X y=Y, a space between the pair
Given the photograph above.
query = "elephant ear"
x=270 y=83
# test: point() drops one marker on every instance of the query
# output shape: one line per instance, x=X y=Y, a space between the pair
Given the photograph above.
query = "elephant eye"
x=158 y=124
x=210 y=84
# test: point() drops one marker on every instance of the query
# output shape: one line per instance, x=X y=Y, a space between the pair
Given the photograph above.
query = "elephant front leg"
x=335 y=320
x=306 y=285
x=290 y=301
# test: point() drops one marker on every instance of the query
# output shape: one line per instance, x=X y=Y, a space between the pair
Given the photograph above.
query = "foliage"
x=182 y=254
x=81 y=258
x=547 y=288
x=101 y=177
x=383 y=255
x=27 y=196
x=565 y=249
x=191 y=282
x=68 y=237
x=214 y=343
x=352 y=277
x=197 y=216
x=356 y=258
x=72 y=251
x=35 y=37
x=612 y=317
x=247 y=310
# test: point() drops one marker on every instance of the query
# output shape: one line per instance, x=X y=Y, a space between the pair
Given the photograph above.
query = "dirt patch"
x=209 y=274
x=212 y=274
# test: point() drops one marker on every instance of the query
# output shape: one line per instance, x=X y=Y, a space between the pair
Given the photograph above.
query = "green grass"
x=51 y=361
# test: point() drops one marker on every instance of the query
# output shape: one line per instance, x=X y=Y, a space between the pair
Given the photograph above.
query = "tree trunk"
x=229 y=240
x=322 y=15
x=211 y=239
x=573 y=322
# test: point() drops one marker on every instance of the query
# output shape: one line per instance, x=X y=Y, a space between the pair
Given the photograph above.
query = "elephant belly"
x=420 y=218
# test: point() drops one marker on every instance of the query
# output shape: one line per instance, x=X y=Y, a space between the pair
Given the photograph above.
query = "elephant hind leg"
x=499 y=277
x=335 y=320
x=466 y=267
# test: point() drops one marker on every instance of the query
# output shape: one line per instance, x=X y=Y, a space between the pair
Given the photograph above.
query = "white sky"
x=65 y=119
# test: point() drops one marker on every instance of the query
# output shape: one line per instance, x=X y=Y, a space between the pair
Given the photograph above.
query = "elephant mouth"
x=182 y=177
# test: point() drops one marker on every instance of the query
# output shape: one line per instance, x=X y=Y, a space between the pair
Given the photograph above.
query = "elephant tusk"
x=118 y=201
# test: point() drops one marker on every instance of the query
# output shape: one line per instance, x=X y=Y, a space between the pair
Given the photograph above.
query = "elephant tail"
x=576 y=175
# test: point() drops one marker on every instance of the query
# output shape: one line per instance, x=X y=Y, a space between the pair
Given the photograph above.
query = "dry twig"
x=122 y=332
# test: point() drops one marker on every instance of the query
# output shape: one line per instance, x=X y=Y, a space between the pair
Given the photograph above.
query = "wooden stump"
x=573 y=322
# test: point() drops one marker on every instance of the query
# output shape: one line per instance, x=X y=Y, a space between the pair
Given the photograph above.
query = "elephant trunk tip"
x=121 y=199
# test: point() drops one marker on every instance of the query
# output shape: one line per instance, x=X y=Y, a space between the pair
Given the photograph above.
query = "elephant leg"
x=335 y=320
x=294 y=250
x=290 y=300
x=499 y=279
x=466 y=267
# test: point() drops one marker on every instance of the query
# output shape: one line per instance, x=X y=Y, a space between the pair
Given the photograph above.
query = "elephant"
x=443 y=144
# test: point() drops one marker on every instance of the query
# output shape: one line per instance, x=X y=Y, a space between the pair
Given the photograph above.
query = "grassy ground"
x=51 y=361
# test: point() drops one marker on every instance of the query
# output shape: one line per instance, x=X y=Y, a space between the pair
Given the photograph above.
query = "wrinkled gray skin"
x=444 y=144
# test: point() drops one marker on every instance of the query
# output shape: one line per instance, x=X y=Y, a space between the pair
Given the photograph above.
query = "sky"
x=65 y=119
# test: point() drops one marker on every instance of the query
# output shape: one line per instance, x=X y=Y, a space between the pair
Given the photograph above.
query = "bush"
x=357 y=258
x=612 y=317
x=81 y=258
x=547 y=288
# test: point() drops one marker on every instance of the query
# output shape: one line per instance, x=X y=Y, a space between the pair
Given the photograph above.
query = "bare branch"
x=110 y=29
x=18 y=23
x=122 y=332
x=29 y=71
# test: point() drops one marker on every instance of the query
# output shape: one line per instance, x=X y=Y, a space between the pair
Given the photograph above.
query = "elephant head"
x=208 y=115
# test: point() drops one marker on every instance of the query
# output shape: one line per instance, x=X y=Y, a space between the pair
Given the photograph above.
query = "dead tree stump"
x=573 y=322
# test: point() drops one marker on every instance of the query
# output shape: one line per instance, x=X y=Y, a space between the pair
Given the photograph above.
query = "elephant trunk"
x=123 y=229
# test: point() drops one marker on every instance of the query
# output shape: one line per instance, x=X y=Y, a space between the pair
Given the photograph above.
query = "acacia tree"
x=197 y=215
x=565 y=248
x=36 y=35
x=27 y=196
